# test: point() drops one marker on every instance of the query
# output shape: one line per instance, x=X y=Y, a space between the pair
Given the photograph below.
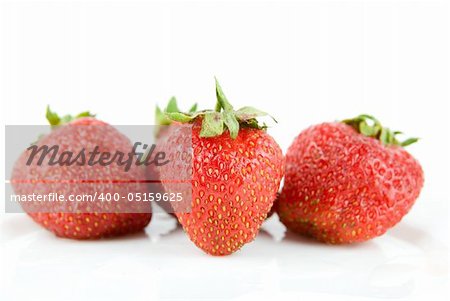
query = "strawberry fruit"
x=162 y=126
x=348 y=181
x=91 y=220
x=235 y=168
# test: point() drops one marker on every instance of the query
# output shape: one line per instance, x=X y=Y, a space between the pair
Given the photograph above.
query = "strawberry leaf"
x=222 y=101
x=193 y=109
x=215 y=122
x=231 y=123
x=55 y=120
x=172 y=105
x=409 y=141
x=369 y=126
x=160 y=117
x=180 y=117
x=212 y=124
x=246 y=113
x=52 y=117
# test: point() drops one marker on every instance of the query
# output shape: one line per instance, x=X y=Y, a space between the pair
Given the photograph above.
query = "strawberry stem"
x=215 y=122
x=369 y=126
x=55 y=120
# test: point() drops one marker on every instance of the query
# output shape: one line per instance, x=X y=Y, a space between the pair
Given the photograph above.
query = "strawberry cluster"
x=344 y=182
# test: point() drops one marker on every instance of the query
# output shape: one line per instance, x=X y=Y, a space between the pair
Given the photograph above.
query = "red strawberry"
x=274 y=206
x=88 y=220
x=163 y=124
x=235 y=168
x=348 y=181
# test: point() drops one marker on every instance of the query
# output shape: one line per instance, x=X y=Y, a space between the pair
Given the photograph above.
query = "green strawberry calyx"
x=161 y=116
x=369 y=126
x=55 y=120
x=215 y=122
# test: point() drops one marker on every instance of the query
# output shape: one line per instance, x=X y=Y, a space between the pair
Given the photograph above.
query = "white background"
x=304 y=62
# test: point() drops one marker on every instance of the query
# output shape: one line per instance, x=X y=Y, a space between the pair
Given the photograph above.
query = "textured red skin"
x=274 y=206
x=234 y=184
x=80 y=225
x=152 y=173
x=343 y=187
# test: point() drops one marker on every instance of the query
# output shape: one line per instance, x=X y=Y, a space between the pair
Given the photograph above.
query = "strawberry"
x=274 y=206
x=348 y=181
x=235 y=170
x=163 y=124
x=90 y=220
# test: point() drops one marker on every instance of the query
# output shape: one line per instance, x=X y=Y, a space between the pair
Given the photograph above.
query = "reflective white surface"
x=405 y=264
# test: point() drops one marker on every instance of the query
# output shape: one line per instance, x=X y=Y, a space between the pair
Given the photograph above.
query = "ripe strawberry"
x=88 y=220
x=235 y=169
x=274 y=206
x=348 y=181
x=163 y=123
